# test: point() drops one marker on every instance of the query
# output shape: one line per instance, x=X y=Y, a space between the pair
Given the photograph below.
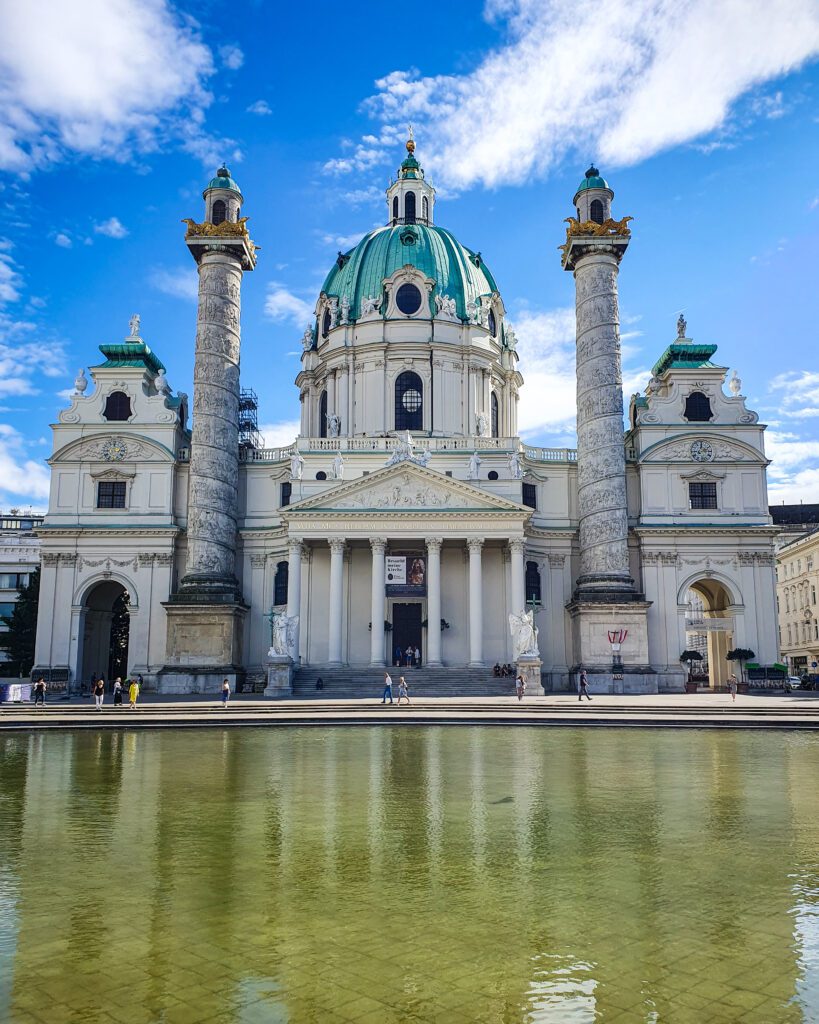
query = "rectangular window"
x=111 y=494
x=702 y=495
x=6 y=608
x=287 y=491
x=530 y=495
x=13 y=580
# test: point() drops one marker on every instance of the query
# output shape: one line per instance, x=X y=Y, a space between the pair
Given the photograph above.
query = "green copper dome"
x=592 y=180
x=223 y=180
x=457 y=271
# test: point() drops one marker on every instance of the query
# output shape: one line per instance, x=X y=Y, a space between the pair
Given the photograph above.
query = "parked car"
x=792 y=683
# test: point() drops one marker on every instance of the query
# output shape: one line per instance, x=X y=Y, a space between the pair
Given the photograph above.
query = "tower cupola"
x=593 y=198
x=410 y=199
x=223 y=198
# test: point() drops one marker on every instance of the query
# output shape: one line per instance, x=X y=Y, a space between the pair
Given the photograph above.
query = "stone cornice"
x=90 y=532
x=686 y=530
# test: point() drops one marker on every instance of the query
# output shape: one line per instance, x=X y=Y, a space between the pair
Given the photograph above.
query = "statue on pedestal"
x=524 y=633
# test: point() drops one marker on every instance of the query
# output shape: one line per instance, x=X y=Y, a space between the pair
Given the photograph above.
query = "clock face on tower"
x=114 y=450
x=701 y=451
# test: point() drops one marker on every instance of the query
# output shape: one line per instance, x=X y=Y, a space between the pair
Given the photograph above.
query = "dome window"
x=698 y=408
x=495 y=411
x=408 y=299
x=325 y=323
x=493 y=323
x=596 y=211
x=117 y=407
x=395 y=209
x=492 y=474
x=409 y=401
x=219 y=212
x=321 y=475
x=409 y=208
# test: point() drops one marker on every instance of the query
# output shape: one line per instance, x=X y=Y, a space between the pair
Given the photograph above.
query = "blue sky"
x=702 y=115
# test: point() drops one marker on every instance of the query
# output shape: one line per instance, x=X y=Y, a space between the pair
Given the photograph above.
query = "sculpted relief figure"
x=446 y=305
x=474 y=471
x=481 y=424
x=333 y=425
x=524 y=633
x=345 y=310
x=337 y=468
x=283 y=640
x=370 y=305
x=296 y=466
x=307 y=338
x=516 y=465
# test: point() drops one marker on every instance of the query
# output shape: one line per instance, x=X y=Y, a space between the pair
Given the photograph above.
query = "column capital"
x=295 y=542
x=474 y=543
x=378 y=544
x=434 y=543
x=517 y=545
x=337 y=544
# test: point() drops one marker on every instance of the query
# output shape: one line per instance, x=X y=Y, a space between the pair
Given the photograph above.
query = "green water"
x=397 y=874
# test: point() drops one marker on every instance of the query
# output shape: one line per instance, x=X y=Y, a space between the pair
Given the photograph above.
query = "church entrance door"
x=406 y=627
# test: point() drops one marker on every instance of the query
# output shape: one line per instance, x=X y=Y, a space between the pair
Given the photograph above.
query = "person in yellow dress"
x=133 y=693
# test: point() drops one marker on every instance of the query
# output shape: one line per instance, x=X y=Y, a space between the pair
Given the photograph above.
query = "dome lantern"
x=410 y=199
x=593 y=197
x=223 y=198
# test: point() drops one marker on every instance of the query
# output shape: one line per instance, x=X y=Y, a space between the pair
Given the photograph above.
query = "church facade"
x=408 y=513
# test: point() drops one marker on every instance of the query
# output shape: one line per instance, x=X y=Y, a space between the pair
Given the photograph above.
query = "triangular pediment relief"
x=404 y=488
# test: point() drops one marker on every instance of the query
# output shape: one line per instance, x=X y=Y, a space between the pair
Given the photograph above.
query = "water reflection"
x=491 y=875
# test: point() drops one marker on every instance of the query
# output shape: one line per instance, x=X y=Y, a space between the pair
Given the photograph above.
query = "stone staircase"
x=423 y=682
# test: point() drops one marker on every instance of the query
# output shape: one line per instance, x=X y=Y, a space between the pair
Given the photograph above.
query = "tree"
x=741 y=654
x=18 y=642
x=687 y=657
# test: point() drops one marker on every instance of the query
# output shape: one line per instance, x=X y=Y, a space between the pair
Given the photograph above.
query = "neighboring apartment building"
x=19 y=557
x=797 y=583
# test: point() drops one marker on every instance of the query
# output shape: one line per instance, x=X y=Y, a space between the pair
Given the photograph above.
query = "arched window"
x=395 y=209
x=697 y=408
x=280 y=583
x=219 y=211
x=532 y=583
x=596 y=211
x=323 y=415
x=325 y=323
x=495 y=412
x=409 y=392
x=117 y=406
x=425 y=208
x=409 y=208
x=492 y=323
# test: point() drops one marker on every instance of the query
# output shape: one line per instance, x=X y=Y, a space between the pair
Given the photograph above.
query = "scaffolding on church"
x=249 y=436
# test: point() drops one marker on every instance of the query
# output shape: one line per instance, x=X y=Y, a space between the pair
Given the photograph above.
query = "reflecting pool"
x=384 y=874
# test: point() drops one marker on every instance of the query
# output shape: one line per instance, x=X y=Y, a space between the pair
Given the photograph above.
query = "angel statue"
x=524 y=633
x=337 y=468
x=482 y=424
x=283 y=638
x=333 y=425
x=474 y=471
x=370 y=305
x=515 y=465
x=296 y=466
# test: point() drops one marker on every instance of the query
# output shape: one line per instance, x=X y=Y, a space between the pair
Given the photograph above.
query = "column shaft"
x=517 y=596
x=434 y=600
x=336 y=600
x=294 y=591
x=378 y=545
x=601 y=465
x=214 y=465
x=475 y=602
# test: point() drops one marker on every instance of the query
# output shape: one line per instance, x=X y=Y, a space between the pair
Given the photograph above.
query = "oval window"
x=408 y=299
x=411 y=400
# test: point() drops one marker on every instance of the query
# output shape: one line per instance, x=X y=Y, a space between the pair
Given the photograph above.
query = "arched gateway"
x=105 y=626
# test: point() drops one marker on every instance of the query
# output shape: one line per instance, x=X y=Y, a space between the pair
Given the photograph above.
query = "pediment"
x=405 y=488
x=709 y=447
x=113 y=447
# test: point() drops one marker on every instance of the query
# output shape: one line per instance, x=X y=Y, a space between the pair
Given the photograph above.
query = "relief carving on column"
x=257 y=561
x=556 y=561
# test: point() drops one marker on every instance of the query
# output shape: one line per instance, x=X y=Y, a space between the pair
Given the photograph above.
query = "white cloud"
x=261 y=107
x=363 y=196
x=181 y=282
x=800 y=393
x=10 y=281
x=545 y=346
x=279 y=435
x=112 y=228
x=101 y=78
x=343 y=242
x=803 y=486
x=63 y=241
x=232 y=56
x=621 y=81
x=285 y=307
x=19 y=475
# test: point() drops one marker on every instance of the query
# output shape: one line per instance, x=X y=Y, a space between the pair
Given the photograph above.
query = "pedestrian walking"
x=387 y=688
x=133 y=693
x=417 y=657
x=99 y=693
x=583 y=686
x=39 y=692
x=732 y=686
x=225 y=693
x=520 y=686
x=403 y=690
x=117 y=692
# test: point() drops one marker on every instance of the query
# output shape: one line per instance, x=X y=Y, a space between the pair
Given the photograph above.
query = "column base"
x=207 y=588
x=203 y=647
x=591 y=623
x=528 y=666
x=476 y=664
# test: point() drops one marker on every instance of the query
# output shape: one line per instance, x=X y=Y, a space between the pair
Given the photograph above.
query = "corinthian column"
x=336 y=600
x=294 y=550
x=434 y=600
x=475 y=545
x=378 y=545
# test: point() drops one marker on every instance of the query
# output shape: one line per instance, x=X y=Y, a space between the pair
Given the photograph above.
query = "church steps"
x=422 y=682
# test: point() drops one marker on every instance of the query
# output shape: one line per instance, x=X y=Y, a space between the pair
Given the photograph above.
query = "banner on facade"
x=405 y=575
x=709 y=625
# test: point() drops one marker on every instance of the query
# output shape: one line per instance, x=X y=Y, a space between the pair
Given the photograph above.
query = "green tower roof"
x=223 y=180
x=684 y=356
x=457 y=271
x=593 y=180
x=131 y=354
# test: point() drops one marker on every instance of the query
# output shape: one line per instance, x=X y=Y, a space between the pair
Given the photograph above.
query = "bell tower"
x=206 y=612
x=410 y=198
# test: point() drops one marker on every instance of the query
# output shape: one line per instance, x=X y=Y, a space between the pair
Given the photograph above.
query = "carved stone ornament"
x=405 y=492
x=112 y=449
x=702 y=451
x=370 y=305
